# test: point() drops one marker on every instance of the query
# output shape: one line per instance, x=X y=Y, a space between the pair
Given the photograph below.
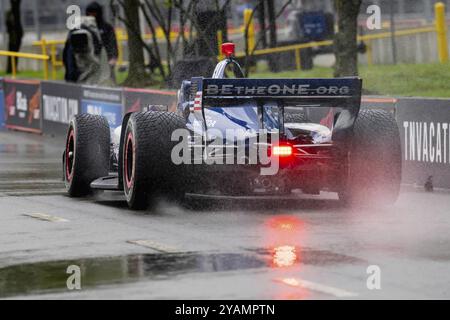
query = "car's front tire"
x=374 y=161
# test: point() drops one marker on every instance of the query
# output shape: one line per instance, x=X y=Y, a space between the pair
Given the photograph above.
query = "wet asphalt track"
x=303 y=249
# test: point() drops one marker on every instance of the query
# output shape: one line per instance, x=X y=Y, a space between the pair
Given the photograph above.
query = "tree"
x=261 y=7
x=15 y=30
x=345 y=43
x=137 y=75
x=271 y=27
x=272 y=22
x=160 y=16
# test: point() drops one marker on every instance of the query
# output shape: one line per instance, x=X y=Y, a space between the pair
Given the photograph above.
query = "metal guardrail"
x=53 y=44
x=315 y=44
x=15 y=55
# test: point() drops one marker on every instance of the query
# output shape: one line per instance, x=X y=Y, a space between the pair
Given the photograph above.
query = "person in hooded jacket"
x=85 y=57
x=107 y=34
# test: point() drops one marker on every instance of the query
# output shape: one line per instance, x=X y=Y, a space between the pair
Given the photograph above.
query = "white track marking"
x=336 y=292
x=154 y=245
x=26 y=182
x=29 y=192
x=45 y=217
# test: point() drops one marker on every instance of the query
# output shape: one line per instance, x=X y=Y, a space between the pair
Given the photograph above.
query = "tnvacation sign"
x=425 y=132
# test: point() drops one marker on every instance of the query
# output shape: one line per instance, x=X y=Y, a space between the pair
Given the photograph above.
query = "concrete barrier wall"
x=22 y=105
x=145 y=99
x=61 y=101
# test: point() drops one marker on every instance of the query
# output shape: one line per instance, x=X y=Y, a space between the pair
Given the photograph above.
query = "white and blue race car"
x=242 y=137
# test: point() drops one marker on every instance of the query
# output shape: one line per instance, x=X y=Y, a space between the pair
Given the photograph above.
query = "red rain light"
x=282 y=151
x=228 y=49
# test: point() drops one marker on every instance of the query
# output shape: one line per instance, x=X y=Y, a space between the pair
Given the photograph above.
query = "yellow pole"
x=248 y=21
x=53 y=55
x=219 y=43
x=119 y=47
x=43 y=46
x=14 y=67
x=441 y=32
x=298 y=59
x=44 y=52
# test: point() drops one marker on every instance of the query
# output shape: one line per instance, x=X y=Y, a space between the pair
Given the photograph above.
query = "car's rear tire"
x=148 y=170
x=374 y=162
x=87 y=153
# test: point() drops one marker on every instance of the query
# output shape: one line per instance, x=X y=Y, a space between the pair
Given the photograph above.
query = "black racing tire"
x=295 y=117
x=374 y=163
x=87 y=153
x=148 y=170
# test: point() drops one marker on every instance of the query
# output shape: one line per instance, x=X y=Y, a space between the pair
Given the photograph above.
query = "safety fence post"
x=120 y=40
x=14 y=67
x=53 y=60
x=249 y=23
x=298 y=61
x=441 y=32
x=45 y=62
x=219 y=43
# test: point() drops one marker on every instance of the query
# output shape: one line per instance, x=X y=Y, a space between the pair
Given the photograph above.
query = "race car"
x=233 y=136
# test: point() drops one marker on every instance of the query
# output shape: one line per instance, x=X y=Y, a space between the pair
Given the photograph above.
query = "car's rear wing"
x=302 y=89
x=343 y=93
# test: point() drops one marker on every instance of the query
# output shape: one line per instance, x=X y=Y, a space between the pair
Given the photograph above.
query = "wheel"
x=295 y=117
x=87 y=153
x=374 y=166
x=148 y=170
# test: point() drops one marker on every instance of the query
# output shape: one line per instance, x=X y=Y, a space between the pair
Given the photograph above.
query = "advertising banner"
x=60 y=102
x=103 y=101
x=22 y=105
x=2 y=105
x=425 y=131
x=148 y=99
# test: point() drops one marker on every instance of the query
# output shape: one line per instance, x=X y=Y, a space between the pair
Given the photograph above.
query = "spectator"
x=15 y=31
x=107 y=34
x=85 y=57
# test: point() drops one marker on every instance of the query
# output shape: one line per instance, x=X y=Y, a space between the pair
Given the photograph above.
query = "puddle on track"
x=47 y=277
x=51 y=277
